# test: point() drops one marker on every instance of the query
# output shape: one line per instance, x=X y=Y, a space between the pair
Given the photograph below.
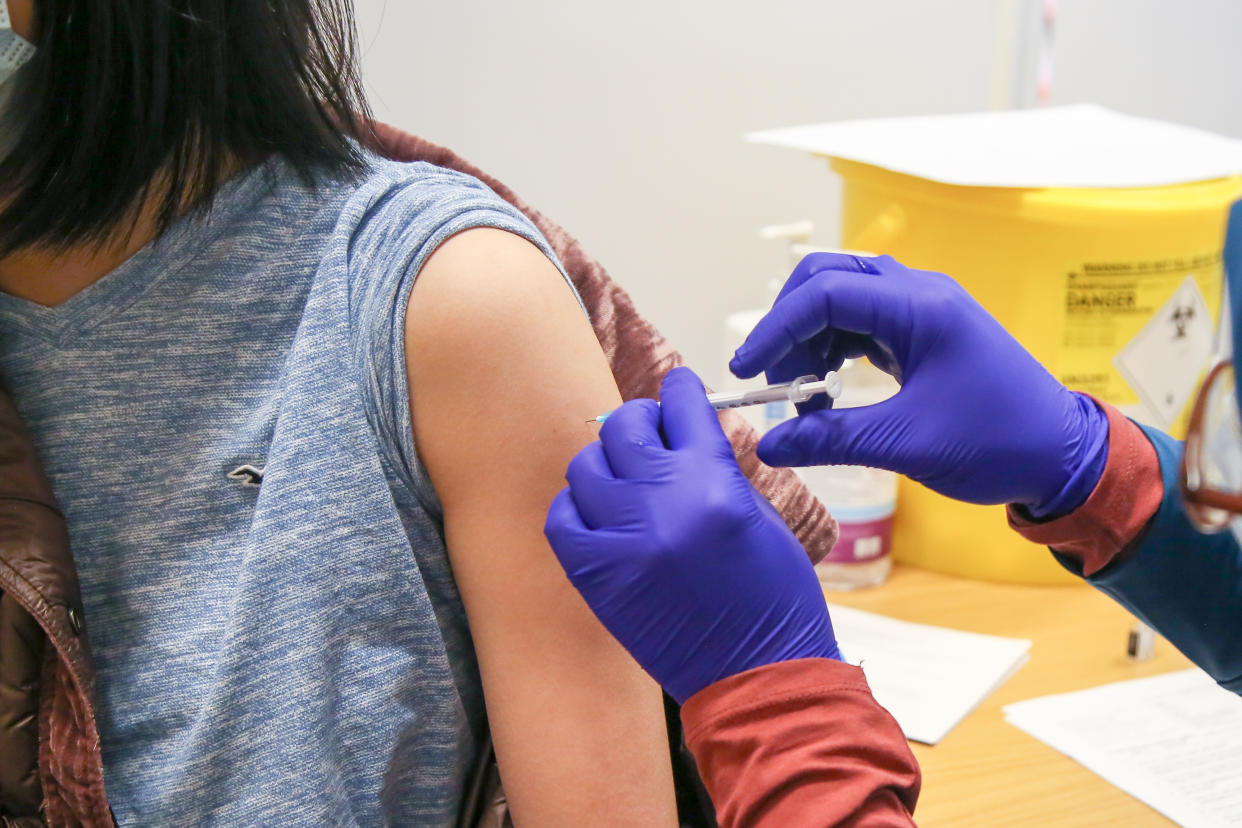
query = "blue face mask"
x=15 y=50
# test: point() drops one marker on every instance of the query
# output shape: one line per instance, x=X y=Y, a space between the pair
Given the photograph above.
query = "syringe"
x=798 y=391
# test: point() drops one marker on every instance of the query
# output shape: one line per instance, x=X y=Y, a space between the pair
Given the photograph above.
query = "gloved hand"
x=684 y=562
x=976 y=419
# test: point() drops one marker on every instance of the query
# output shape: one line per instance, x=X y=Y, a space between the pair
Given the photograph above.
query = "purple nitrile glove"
x=976 y=419
x=684 y=562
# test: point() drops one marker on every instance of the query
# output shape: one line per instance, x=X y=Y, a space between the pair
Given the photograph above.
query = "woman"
x=291 y=472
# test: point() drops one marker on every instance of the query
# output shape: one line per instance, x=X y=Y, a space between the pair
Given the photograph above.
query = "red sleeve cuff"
x=771 y=683
x=1128 y=494
x=798 y=744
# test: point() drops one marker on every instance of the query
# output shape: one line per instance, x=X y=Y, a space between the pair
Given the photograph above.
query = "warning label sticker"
x=1164 y=360
x=1139 y=334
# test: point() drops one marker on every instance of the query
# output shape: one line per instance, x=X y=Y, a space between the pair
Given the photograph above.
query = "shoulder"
x=402 y=213
x=395 y=185
x=396 y=218
x=479 y=264
x=404 y=205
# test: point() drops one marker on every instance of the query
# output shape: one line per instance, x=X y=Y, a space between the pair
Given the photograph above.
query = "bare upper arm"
x=504 y=370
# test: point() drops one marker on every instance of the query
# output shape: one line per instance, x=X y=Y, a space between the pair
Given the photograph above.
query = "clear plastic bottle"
x=862 y=556
x=862 y=500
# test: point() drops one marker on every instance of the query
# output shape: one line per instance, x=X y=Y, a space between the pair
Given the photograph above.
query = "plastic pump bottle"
x=863 y=500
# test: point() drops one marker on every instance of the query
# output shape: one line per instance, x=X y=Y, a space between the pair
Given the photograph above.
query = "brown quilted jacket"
x=51 y=770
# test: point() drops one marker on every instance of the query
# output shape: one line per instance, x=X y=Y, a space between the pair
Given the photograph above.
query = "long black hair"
x=129 y=99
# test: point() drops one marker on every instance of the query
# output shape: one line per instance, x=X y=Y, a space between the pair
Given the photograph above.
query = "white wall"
x=623 y=121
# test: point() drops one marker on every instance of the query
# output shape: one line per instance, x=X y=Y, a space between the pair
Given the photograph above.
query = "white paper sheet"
x=1173 y=741
x=1069 y=146
x=928 y=677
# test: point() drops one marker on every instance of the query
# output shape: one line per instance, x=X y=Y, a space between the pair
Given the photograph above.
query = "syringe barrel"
x=800 y=390
x=740 y=399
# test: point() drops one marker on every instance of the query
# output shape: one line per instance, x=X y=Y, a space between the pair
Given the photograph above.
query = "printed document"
x=1173 y=741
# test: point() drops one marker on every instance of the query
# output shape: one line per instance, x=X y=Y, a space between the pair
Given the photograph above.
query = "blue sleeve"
x=1185 y=584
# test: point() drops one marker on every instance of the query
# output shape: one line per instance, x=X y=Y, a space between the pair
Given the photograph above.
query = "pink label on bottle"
x=862 y=542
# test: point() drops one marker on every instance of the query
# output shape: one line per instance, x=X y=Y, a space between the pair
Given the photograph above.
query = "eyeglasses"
x=1212 y=463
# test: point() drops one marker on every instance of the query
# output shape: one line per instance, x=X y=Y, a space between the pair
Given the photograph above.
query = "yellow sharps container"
x=1094 y=282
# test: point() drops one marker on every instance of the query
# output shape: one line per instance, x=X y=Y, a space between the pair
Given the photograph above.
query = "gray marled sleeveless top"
x=289 y=653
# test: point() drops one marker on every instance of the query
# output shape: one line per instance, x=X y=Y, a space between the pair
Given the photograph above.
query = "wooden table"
x=986 y=772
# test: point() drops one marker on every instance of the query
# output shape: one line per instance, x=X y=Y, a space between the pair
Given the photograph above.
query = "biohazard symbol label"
x=1139 y=334
x=1164 y=360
